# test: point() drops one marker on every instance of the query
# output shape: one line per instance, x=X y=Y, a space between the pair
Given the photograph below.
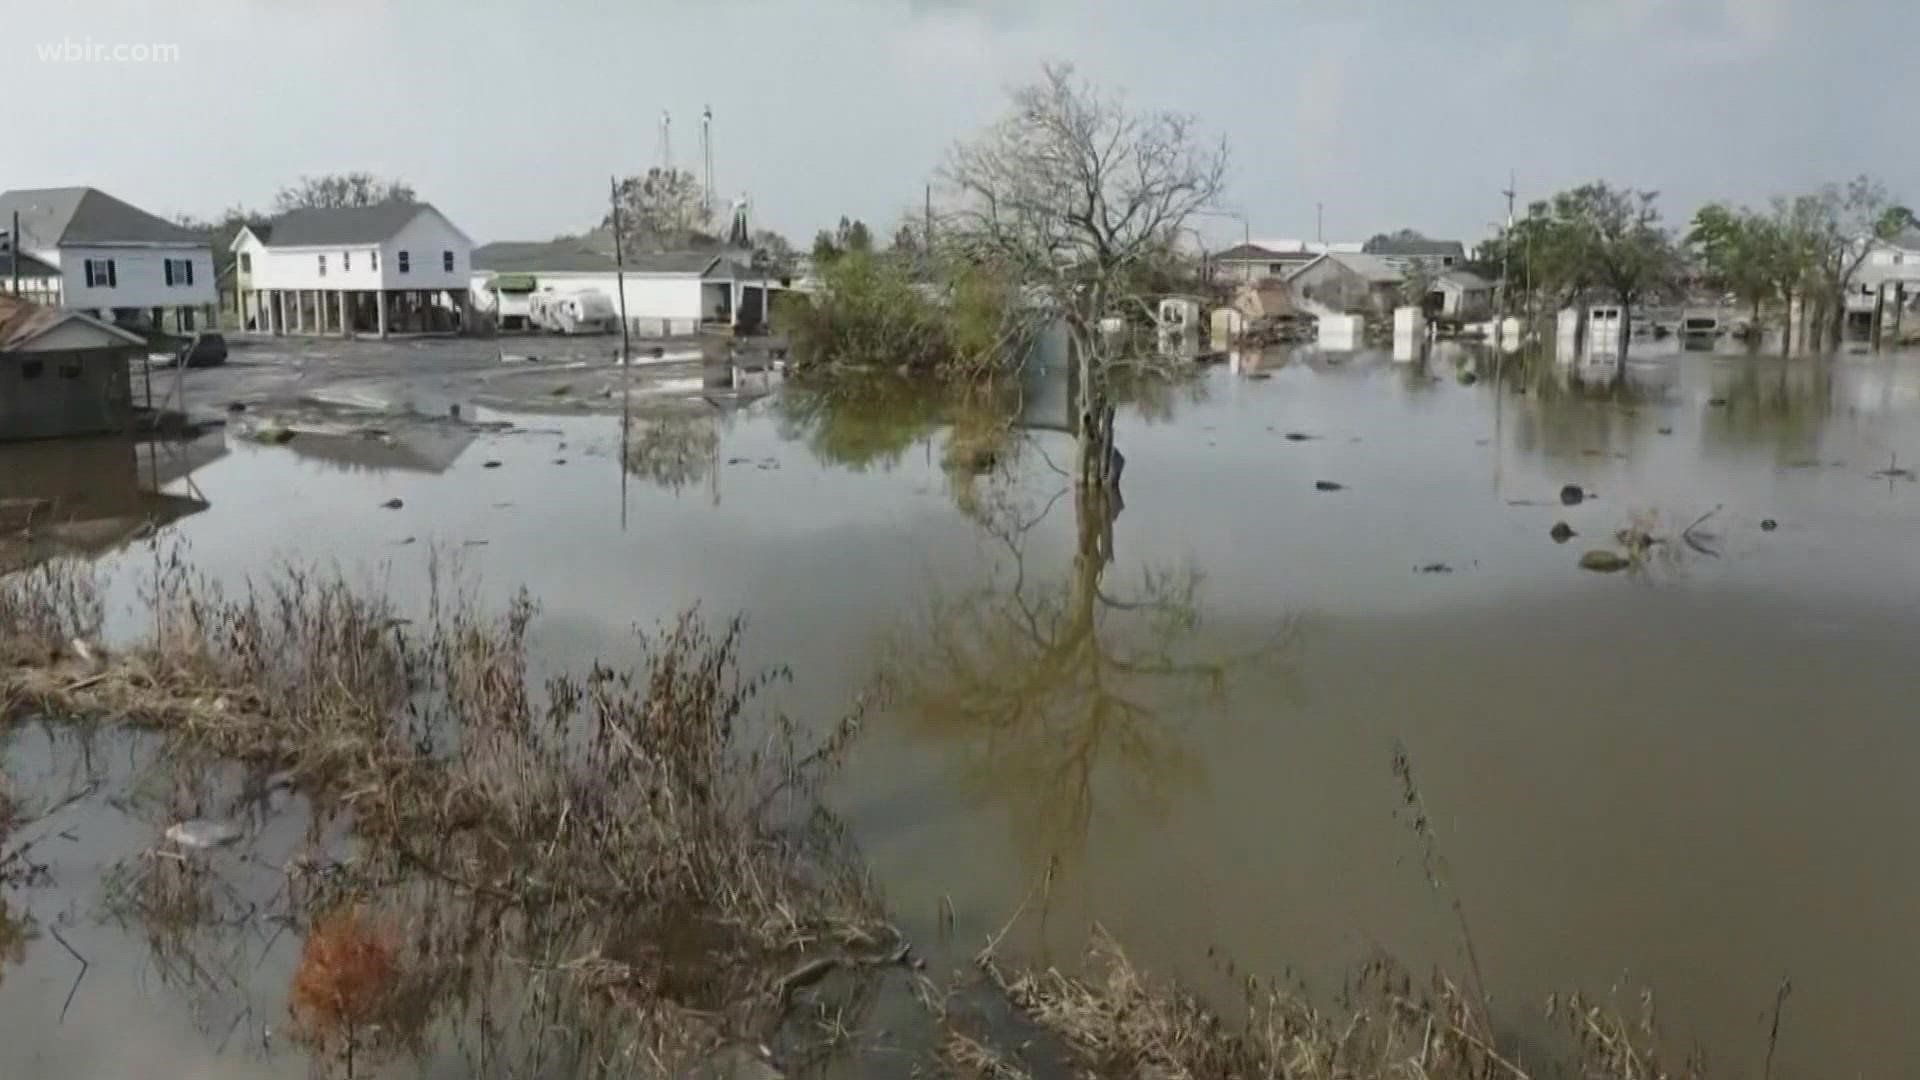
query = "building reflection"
x=90 y=496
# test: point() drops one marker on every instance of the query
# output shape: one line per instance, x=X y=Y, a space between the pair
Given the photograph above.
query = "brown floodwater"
x=1176 y=715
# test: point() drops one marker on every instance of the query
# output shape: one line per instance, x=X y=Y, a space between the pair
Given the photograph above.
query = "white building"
x=110 y=258
x=1258 y=260
x=1893 y=266
x=669 y=293
x=356 y=269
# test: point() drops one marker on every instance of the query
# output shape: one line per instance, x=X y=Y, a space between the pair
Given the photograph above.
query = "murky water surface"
x=1181 y=712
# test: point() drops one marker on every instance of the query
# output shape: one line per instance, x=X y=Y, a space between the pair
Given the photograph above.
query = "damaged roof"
x=21 y=321
x=58 y=217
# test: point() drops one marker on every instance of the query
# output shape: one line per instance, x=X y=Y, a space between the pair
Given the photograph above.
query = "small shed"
x=1269 y=299
x=62 y=373
x=1351 y=284
x=1461 y=294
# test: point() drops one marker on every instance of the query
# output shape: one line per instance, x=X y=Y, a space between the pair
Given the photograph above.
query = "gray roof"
x=1371 y=267
x=30 y=267
x=54 y=217
x=593 y=254
x=334 y=226
x=1466 y=279
x=1423 y=246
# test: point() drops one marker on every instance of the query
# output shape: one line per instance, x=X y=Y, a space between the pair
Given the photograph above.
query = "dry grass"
x=648 y=835
x=1118 y=1022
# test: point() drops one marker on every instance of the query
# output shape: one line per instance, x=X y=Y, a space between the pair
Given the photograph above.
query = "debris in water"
x=1299 y=436
x=237 y=406
x=1768 y=525
x=1666 y=431
x=1893 y=471
x=1718 y=402
x=1572 y=495
x=1260 y=375
x=491 y=465
x=559 y=461
x=201 y=833
x=392 y=504
x=1328 y=485
x=1434 y=568
x=1562 y=532
x=1601 y=561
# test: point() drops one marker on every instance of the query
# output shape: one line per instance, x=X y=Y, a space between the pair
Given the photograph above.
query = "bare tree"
x=663 y=210
x=341 y=189
x=1846 y=222
x=1082 y=201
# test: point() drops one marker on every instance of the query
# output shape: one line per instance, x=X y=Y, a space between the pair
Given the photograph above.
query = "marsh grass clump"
x=645 y=826
x=1116 y=1021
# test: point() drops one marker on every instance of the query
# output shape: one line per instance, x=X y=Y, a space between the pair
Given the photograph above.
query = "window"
x=100 y=274
x=346 y=260
x=375 y=257
x=446 y=261
x=179 y=272
x=323 y=266
x=404 y=268
x=246 y=262
x=31 y=369
x=70 y=369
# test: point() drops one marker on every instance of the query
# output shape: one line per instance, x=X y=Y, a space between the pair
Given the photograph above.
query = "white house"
x=1892 y=266
x=111 y=258
x=667 y=293
x=354 y=269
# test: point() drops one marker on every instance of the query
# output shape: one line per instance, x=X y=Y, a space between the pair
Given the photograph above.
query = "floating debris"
x=392 y=504
x=491 y=465
x=1328 y=485
x=1768 y=524
x=1562 y=532
x=201 y=834
x=1572 y=495
x=1434 y=568
x=1299 y=436
x=1602 y=561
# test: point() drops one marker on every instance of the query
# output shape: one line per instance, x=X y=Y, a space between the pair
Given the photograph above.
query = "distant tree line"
x=1602 y=241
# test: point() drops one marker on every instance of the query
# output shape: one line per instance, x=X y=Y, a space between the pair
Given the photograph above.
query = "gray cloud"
x=511 y=116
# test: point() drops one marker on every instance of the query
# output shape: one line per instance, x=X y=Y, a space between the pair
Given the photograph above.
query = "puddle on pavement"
x=1184 y=702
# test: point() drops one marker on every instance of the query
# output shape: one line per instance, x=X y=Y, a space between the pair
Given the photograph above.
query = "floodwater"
x=1175 y=715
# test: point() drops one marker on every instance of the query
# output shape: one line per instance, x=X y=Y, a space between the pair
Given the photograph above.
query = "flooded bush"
x=874 y=312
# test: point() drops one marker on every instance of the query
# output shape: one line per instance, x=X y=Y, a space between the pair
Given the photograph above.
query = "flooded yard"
x=1174 y=714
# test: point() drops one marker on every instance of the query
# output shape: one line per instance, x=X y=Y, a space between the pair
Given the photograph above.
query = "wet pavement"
x=1179 y=709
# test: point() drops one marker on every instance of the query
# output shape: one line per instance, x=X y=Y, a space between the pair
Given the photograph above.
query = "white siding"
x=426 y=239
x=299 y=268
x=140 y=278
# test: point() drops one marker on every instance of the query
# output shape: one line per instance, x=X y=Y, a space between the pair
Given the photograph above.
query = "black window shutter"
x=113 y=275
x=168 y=264
x=89 y=268
x=189 y=271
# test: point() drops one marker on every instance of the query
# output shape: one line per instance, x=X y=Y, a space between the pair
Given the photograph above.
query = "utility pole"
x=13 y=252
x=666 y=141
x=929 y=220
x=1506 y=262
x=1320 y=223
x=706 y=154
x=626 y=379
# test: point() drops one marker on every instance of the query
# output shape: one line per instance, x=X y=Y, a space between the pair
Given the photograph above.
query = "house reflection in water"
x=90 y=496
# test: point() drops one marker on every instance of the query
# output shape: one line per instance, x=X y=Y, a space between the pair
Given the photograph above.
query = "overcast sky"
x=511 y=114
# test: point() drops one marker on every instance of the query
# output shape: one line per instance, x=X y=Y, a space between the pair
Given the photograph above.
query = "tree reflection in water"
x=674 y=450
x=1066 y=685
